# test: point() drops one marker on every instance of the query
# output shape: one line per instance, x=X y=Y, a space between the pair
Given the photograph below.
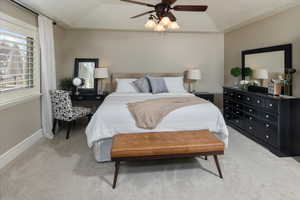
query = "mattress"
x=113 y=117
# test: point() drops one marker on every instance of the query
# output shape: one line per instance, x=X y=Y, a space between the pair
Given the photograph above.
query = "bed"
x=113 y=117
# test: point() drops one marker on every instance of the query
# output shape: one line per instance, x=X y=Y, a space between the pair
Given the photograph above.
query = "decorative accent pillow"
x=158 y=85
x=143 y=85
x=126 y=85
x=175 y=84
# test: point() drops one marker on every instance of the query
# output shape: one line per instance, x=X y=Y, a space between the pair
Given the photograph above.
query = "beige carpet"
x=66 y=170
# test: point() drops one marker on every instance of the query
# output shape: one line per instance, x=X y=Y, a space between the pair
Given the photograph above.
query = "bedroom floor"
x=61 y=169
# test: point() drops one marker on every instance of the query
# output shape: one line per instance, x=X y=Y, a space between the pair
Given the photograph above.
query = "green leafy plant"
x=66 y=84
x=236 y=71
x=248 y=71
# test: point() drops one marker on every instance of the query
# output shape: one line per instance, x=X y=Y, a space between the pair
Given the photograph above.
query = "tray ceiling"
x=113 y=14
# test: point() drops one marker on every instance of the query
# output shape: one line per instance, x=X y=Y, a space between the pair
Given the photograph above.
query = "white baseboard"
x=12 y=153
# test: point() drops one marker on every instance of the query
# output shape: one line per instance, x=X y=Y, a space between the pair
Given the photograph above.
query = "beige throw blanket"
x=148 y=114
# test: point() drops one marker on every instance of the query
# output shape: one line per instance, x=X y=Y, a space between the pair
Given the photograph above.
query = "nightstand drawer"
x=271 y=105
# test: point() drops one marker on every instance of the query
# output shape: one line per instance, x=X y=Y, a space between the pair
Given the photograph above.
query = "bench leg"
x=218 y=166
x=117 y=166
x=205 y=157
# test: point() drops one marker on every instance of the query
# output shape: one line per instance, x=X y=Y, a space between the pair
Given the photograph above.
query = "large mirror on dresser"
x=270 y=63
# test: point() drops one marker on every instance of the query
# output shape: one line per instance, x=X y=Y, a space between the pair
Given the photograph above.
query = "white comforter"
x=113 y=117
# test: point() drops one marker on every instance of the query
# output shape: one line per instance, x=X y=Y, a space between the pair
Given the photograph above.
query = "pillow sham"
x=158 y=85
x=175 y=84
x=143 y=85
x=126 y=85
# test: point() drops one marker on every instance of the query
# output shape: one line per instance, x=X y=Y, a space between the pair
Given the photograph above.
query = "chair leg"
x=205 y=157
x=69 y=129
x=54 y=126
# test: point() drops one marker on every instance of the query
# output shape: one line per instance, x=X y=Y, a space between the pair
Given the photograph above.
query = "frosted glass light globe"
x=173 y=26
x=77 y=82
x=159 y=28
x=150 y=24
x=165 y=21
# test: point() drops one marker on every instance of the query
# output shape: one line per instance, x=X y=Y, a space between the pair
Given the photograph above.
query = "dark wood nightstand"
x=92 y=101
x=205 y=95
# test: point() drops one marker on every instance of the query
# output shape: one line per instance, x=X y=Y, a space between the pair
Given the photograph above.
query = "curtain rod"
x=30 y=10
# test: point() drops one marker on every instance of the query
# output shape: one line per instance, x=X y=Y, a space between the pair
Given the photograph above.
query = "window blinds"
x=17 y=57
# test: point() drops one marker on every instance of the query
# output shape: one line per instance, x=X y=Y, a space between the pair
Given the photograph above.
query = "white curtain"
x=48 y=74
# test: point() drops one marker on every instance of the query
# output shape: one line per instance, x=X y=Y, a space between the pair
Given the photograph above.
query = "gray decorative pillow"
x=142 y=84
x=158 y=85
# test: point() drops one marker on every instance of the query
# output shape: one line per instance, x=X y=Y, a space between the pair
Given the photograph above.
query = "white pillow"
x=126 y=85
x=175 y=84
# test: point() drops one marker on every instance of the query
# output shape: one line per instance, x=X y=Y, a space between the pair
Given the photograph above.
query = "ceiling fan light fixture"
x=165 y=21
x=150 y=24
x=159 y=28
x=174 y=26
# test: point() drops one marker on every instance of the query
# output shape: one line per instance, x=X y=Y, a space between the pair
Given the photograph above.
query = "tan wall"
x=129 y=52
x=276 y=30
x=20 y=121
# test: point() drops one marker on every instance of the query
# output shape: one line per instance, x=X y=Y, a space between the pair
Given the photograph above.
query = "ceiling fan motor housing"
x=162 y=10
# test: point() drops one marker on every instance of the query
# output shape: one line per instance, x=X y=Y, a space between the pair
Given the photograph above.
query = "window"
x=16 y=61
x=19 y=60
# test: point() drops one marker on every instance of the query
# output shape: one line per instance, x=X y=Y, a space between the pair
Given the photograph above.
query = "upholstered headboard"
x=114 y=76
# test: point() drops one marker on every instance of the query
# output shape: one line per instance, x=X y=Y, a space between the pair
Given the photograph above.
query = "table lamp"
x=261 y=74
x=100 y=73
x=193 y=75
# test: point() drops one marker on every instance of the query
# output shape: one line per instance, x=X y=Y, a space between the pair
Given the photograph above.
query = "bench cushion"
x=165 y=143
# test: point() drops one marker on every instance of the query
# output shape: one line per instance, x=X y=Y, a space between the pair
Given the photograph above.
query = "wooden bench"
x=165 y=145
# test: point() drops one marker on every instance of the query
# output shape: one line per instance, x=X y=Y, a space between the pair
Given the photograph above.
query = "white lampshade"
x=261 y=74
x=194 y=74
x=101 y=73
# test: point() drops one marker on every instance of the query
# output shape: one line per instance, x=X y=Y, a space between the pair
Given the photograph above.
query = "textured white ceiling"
x=222 y=15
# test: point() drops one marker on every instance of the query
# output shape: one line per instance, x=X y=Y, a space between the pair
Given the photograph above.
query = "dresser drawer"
x=251 y=110
x=268 y=133
x=268 y=117
x=237 y=120
x=258 y=101
x=271 y=105
x=239 y=96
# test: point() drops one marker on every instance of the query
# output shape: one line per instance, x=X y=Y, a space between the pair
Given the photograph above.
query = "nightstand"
x=205 y=95
x=92 y=101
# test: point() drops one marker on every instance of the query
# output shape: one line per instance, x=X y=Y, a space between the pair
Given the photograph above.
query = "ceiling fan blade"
x=170 y=2
x=190 y=8
x=171 y=16
x=139 y=3
x=142 y=14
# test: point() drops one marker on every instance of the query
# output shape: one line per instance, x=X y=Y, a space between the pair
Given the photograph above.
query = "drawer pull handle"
x=248 y=99
x=267 y=136
x=250 y=110
x=239 y=96
x=267 y=116
x=237 y=121
x=251 y=118
x=267 y=125
x=237 y=112
x=258 y=101
x=271 y=105
x=250 y=128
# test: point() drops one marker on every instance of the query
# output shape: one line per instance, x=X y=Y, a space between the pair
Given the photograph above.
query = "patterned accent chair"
x=64 y=111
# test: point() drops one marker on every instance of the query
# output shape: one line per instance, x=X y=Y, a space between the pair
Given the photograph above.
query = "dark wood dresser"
x=271 y=121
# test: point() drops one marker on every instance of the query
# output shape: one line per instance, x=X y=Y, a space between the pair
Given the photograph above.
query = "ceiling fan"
x=163 y=16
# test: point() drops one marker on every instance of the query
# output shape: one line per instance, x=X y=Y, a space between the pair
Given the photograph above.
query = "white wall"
x=129 y=52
